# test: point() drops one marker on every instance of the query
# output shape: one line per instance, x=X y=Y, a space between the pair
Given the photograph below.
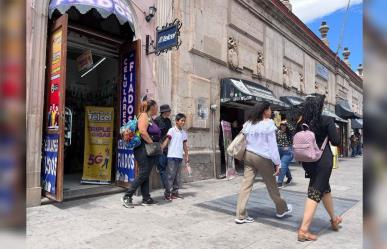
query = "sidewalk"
x=102 y=222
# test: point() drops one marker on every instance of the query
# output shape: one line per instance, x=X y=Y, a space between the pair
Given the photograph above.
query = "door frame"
x=60 y=23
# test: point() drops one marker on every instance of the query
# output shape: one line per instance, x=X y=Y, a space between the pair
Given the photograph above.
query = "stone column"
x=36 y=39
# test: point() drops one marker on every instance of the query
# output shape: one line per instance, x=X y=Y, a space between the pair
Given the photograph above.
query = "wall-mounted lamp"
x=152 y=12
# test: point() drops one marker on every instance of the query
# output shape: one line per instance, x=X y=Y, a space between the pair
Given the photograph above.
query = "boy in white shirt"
x=177 y=139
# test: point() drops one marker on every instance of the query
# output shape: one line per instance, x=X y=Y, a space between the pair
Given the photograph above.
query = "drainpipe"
x=213 y=111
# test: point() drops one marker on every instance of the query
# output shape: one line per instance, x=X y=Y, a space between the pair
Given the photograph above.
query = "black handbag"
x=153 y=149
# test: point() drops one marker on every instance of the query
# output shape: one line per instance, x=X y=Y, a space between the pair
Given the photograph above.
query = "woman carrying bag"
x=146 y=154
x=260 y=155
x=319 y=171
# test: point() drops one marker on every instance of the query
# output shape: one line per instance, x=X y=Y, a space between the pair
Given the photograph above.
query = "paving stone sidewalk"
x=102 y=222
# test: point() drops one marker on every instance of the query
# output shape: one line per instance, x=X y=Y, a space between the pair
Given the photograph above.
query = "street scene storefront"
x=103 y=56
x=92 y=84
x=90 y=88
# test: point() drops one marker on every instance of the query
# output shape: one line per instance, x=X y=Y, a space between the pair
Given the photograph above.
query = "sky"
x=313 y=12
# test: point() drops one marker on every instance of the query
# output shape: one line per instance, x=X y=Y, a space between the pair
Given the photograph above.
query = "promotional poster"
x=99 y=125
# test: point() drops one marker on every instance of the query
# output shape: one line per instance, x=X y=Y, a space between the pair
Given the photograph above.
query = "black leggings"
x=145 y=165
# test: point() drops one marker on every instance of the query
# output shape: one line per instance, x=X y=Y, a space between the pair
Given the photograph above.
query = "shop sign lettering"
x=168 y=36
x=125 y=157
x=50 y=160
x=125 y=163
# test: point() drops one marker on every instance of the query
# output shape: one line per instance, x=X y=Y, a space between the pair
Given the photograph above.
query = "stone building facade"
x=258 y=40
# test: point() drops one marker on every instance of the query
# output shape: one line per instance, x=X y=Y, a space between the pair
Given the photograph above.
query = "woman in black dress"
x=319 y=172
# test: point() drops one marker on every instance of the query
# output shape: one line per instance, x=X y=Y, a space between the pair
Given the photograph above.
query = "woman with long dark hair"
x=261 y=154
x=319 y=172
x=150 y=133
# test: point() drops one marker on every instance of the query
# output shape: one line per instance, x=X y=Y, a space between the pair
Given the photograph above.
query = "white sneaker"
x=290 y=209
x=245 y=220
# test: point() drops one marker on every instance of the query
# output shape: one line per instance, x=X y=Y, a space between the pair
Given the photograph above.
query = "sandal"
x=306 y=236
x=335 y=223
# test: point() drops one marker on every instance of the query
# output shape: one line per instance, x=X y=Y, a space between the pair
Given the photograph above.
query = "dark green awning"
x=246 y=92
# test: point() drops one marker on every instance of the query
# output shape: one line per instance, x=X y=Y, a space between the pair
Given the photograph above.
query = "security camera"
x=213 y=107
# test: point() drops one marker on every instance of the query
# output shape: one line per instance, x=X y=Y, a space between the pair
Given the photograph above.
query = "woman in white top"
x=261 y=154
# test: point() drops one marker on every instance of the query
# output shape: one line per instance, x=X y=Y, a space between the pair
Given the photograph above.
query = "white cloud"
x=309 y=10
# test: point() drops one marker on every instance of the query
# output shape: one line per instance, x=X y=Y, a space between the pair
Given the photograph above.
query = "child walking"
x=177 y=140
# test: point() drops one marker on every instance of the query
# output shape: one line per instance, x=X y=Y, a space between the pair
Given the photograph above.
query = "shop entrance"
x=233 y=116
x=91 y=91
x=93 y=85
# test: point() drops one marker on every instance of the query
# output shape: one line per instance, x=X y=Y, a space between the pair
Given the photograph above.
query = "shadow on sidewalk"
x=262 y=209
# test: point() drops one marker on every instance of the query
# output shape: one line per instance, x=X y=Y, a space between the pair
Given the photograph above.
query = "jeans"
x=145 y=165
x=286 y=155
x=162 y=167
x=174 y=175
x=354 y=150
x=358 y=150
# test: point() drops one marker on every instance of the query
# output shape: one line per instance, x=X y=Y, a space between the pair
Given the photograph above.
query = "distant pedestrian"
x=177 y=139
x=359 y=143
x=354 y=143
x=319 y=172
x=261 y=154
x=284 y=140
x=164 y=123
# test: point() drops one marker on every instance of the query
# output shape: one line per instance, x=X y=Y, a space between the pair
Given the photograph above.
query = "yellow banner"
x=99 y=125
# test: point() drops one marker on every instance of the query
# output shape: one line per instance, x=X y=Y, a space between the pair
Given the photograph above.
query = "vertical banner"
x=55 y=78
x=125 y=158
x=50 y=155
x=227 y=139
x=97 y=165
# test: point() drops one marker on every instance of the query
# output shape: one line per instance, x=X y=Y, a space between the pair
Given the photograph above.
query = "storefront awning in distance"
x=328 y=113
x=247 y=92
x=344 y=111
x=357 y=123
x=119 y=8
x=292 y=100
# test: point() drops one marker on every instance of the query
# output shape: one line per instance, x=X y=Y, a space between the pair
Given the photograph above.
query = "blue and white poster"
x=125 y=157
x=125 y=163
x=50 y=160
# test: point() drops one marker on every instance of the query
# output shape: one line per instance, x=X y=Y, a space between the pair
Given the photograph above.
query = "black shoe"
x=148 y=202
x=280 y=185
x=288 y=181
x=127 y=201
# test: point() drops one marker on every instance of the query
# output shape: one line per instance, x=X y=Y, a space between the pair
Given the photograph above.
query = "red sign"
x=54 y=94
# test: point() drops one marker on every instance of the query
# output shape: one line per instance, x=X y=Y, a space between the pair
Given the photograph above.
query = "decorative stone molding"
x=260 y=65
x=233 y=54
x=285 y=73
x=302 y=83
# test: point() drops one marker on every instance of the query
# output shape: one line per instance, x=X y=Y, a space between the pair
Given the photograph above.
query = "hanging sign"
x=125 y=158
x=50 y=155
x=99 y=123
x=85 y=61
x=227 y=139
x=168 y=36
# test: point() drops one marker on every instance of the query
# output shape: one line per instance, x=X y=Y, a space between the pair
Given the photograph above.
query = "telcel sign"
x=167 y=37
